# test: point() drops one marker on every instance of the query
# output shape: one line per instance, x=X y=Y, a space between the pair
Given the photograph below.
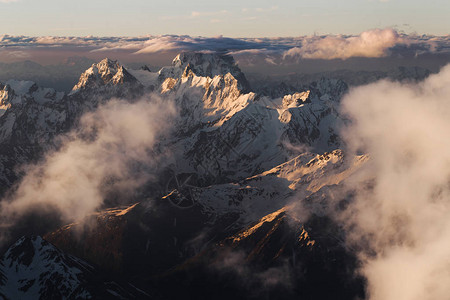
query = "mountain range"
x=219 y=216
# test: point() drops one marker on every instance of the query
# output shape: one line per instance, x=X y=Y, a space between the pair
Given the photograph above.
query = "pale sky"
x=232 y=18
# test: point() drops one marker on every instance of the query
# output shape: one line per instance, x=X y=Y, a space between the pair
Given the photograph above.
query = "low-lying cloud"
x=400 y=213
x=111 y=153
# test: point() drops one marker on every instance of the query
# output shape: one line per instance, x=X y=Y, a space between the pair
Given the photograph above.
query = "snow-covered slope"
x=222 y=127
x=30 y=118
x=256 y=196
x=31 y=106
x=35 y=269
x=204 y=65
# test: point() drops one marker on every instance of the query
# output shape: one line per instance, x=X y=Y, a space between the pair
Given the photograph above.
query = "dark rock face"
x=138 y=239
x=275 y=258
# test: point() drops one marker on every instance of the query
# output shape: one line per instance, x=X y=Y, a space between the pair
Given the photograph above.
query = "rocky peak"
x=205 y=65
x=22 y=87
x=296 y=99
x=107 y=67
x=106 y=72
x=6 y=94
x=22 y=90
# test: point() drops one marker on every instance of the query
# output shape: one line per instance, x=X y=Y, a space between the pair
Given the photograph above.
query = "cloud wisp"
x=111 y=153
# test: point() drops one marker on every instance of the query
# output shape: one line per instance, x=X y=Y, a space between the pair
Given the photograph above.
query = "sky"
x=232 y=18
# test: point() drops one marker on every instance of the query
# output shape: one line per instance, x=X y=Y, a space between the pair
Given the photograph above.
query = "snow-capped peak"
x=6 y=94
x=296 y=99
x=106 y=72
x=204 y=65
x=19 y=91
x=107 y=66
x=207 y=64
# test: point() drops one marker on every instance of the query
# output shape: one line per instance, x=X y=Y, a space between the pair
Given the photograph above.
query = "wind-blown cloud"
x=373 y=43
x=112 y=152
x=400 y=213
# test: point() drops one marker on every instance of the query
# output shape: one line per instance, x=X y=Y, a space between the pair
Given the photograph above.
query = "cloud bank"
x=372 y=43
x=400 y=213
x=111 y=153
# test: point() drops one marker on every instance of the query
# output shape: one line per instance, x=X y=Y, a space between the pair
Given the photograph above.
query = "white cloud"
x=400 y=213
x=372 y=43
x=163 y=43
x=56 y=40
